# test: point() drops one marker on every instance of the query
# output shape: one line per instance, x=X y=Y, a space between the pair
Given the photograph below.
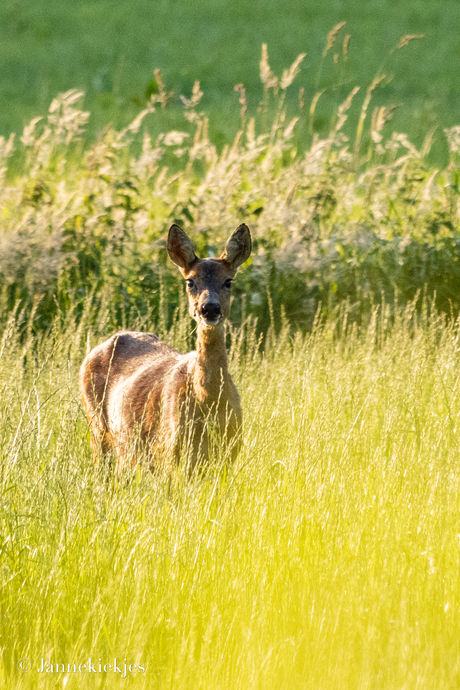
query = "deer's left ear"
x=238 y=247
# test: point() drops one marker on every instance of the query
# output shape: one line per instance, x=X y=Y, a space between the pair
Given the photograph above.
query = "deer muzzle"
x=211 y=313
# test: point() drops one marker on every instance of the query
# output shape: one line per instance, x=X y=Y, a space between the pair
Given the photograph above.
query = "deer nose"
x=211 y=311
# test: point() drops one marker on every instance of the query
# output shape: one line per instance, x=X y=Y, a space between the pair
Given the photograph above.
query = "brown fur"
x=138 y=391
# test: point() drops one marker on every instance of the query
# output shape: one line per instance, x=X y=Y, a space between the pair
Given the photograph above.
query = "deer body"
x=137 y=391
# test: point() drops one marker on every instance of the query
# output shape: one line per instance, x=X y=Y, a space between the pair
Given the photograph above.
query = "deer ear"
x=238 y=247
x=180 y=248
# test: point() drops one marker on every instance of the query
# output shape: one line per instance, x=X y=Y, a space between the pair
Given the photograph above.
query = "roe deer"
x=136 y=388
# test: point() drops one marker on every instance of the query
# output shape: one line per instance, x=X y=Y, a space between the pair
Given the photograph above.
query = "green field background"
x=109 y=49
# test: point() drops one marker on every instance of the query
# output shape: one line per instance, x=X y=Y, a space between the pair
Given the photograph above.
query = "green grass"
x=110 y=50
x=327 y=556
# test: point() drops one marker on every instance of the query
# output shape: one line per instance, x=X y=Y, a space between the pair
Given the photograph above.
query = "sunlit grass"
x=328 y=556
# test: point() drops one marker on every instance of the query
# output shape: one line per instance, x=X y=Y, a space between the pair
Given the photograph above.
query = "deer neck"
x=210 y=375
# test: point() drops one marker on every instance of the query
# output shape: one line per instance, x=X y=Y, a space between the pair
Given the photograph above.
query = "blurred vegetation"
x=109 y=50
x=352 y=218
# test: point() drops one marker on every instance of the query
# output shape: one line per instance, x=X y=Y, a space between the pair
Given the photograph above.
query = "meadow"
x=328 y=554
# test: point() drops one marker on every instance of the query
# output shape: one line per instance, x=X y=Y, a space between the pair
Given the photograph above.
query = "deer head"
x=209 y=281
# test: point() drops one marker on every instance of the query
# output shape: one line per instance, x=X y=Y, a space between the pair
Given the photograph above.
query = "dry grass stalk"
x=268 y=79
x=239 y=88
x=405 y=40
x=290 y=74
x=332 y=35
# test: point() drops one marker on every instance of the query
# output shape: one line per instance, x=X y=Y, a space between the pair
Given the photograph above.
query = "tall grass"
x=359 y=213
x=328 y=555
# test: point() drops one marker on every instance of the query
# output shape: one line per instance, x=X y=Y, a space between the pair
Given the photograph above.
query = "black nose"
x=211 y=310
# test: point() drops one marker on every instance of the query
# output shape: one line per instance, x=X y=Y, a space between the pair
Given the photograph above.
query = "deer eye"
x=190 y=284
x=227 y=283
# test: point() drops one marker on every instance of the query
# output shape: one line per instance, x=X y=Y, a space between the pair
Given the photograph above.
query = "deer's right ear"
x=180 y=248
